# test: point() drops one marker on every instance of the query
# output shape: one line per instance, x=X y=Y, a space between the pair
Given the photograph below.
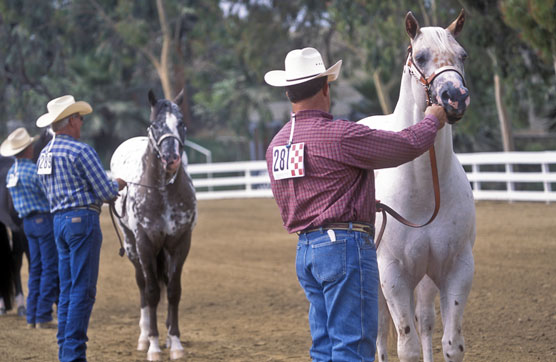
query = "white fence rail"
x=512 y=176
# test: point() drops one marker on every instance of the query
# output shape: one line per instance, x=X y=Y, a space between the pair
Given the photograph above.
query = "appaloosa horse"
x=11 y=254
x=438 y=256
x=158 y=212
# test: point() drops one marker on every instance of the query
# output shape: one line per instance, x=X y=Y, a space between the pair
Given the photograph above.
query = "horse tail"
x=7 y=285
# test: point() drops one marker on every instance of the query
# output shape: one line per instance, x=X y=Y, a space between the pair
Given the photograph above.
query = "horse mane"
x=438 y=38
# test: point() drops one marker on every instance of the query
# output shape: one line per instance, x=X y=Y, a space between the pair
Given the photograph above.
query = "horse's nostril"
x=445 y=96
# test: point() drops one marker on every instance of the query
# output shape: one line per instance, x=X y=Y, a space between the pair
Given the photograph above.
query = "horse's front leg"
x=383 y=328
x=453 y=297
x=398 y=291
x=425 y=293
x=175 y=256
x=148 y=261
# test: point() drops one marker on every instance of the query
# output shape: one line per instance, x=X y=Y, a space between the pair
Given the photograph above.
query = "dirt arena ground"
x=241 y=300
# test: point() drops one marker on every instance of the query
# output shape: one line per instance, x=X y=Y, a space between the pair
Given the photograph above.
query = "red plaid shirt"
x=340 y=157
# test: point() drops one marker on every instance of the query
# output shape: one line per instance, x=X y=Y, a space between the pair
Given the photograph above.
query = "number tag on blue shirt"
x=12 y=180
x=288 y=162
x=44 y=165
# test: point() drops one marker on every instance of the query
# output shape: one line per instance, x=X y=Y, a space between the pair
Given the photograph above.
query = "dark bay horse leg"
x=148 y=257
x=6 y=272
x=20 y=247
x=175 y=256
x=131 y=251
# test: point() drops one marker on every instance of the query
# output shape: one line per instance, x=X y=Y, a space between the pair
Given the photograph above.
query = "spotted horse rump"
x=158 y=211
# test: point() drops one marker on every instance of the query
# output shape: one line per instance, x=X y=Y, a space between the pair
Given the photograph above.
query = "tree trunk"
x=505 y=125
x=382 y=93
x=164 y=68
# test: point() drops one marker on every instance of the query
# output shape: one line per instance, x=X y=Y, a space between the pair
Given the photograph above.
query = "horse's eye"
x=421 y=58
x=463 y=57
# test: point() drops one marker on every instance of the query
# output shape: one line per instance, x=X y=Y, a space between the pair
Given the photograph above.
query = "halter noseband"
x=423 y=79
x=156 y=143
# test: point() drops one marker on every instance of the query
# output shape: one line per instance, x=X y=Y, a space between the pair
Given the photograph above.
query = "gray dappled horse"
x=11 y=256
x=158 y=211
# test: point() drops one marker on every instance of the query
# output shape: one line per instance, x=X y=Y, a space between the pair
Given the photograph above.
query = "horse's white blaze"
x=433 y=258
x=143 y=342
x=172 y=123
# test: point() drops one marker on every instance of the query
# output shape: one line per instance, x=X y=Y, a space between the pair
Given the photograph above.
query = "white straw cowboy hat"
x=61 y=107
x=302 y=65
x=16 y=142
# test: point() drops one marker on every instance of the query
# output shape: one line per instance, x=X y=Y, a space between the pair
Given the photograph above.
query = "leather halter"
x=423 y=79
x=156 y=143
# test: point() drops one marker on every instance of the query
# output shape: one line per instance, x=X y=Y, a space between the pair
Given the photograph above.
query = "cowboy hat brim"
x=277 y=78
x=7 y=150
x=80 y=107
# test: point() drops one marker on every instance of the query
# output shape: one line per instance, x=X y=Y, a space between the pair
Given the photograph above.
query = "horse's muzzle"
x=454 y=98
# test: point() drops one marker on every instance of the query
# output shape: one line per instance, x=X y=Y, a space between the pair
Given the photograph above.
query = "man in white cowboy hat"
x=76 y=185
x=321 y=174
x=32 y=207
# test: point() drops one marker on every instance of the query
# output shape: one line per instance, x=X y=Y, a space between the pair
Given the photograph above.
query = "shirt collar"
x=307 y=114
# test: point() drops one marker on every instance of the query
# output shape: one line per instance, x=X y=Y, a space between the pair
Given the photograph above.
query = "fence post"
x=547 y=186
x=475 y=170
x=510 y=187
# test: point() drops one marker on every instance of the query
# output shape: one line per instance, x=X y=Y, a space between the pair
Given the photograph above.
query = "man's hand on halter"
x=121 y=184
x=438 y=112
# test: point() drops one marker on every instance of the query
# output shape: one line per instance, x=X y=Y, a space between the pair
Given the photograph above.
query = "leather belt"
x=354 y=226
x=86 y=207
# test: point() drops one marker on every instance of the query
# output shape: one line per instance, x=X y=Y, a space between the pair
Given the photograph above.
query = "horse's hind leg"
x=20 y=247
x=425 y=293
x=176 y=259
x=453 y=297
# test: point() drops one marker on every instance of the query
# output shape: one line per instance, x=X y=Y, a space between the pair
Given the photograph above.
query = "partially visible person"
x=76 y=185
x=321 y=173
x=32 y=207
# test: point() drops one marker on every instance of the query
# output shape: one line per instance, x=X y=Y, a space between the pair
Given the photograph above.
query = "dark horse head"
x=167 y=131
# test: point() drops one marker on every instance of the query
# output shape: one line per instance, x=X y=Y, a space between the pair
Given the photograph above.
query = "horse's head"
x=436 y=60
x=167 y=131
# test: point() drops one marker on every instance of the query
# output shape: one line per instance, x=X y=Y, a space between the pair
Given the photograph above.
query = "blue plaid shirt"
x=27 y=194
x=77 y=178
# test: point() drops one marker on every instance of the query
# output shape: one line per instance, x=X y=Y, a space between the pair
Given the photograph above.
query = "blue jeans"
x=43 y=267
x=79 y=238
x=340 y=280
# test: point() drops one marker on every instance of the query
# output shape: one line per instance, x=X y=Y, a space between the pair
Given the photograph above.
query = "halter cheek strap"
x=157 y=143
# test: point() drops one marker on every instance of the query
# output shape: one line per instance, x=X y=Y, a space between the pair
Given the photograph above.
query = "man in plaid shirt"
x=76 y=185
x=325 y=193
x=31 y=205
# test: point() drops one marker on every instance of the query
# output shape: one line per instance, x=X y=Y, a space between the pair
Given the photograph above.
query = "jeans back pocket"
x=329 y=260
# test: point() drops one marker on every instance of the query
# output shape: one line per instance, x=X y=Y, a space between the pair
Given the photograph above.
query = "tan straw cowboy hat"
x=302 y=65
x=62 y=107
x=16 y=142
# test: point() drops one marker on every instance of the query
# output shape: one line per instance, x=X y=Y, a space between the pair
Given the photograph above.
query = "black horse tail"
x=7 y=285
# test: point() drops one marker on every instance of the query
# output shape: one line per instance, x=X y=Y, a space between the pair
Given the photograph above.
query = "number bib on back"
x=288 y=161
x=12 y=180
x=44 y=165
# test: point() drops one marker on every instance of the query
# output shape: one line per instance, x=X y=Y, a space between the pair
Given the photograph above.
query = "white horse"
x=436 y=257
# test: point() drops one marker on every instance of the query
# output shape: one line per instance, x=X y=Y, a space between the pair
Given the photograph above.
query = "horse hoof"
x=154 y=356
x=177 y=354
x=21 y=311
x=2 y=311
x=143 y=345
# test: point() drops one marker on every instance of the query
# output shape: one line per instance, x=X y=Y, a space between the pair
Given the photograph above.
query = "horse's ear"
x=152 y=97
x=411 y=25
x=179 y=98
x=457 y=25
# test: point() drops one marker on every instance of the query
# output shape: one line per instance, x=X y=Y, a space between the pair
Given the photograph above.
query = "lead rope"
x=112 y=208
x=380 y=207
